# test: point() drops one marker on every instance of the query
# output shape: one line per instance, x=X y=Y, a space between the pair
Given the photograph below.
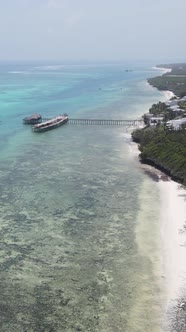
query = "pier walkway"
x=103 y=122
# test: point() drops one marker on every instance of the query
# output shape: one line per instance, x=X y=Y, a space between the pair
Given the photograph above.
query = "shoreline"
x=172 y=222
x=165 y=70
x=172 y=228
x=168 y=94
x=172 y=247
x=171 y=244
x=162 y=169
x=173 y=255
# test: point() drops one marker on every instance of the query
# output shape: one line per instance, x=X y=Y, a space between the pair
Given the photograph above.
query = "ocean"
x=79 y=221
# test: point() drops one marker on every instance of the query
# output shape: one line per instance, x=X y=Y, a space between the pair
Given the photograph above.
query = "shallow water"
x=76 y=245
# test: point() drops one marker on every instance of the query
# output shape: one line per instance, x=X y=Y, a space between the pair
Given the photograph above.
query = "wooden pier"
x=104 y=122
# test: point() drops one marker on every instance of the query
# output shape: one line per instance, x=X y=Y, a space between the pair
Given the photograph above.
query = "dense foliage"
x=159 y=145
x=163 y=148
x=182 y=105
x=174 y=81
x=160 y=109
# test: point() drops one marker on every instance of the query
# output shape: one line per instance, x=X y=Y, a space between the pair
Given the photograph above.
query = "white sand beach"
x=168 y=95
x=171 y=219
x=164 y=70
x=173 y=237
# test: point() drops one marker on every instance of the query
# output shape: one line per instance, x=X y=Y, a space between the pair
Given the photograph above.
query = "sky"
x=92 y=30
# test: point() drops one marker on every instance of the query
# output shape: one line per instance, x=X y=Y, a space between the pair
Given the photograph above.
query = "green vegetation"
x=174 y=81
x=162 y=110
x=164 y=149
x=182 y=105
x=158 y=109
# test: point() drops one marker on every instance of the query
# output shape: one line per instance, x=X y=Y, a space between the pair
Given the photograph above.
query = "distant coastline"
x=173 y=79
x=164 y=70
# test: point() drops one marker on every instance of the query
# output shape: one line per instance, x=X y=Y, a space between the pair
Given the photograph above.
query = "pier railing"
x=103 y=122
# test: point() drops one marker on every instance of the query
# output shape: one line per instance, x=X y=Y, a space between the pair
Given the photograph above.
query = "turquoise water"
x=77 y=244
